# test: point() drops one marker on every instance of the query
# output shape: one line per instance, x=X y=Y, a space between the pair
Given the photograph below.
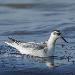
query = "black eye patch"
x=58 y=33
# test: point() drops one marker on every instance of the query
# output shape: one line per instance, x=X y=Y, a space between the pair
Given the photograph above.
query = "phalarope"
x=44 y=49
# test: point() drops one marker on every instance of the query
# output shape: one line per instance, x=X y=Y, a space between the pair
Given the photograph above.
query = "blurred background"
x=29 y=20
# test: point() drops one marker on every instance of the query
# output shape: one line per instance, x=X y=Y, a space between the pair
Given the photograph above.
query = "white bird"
x=44 y=49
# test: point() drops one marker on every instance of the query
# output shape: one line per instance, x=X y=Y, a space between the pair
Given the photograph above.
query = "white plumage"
x=30 y=48
x=43 y=49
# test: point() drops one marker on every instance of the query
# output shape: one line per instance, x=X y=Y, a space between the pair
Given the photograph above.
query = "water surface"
x=29 y=20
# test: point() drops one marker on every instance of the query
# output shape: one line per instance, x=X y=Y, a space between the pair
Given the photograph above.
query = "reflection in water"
x=49 y=61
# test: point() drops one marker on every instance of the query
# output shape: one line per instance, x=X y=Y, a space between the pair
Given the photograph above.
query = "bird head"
x=57 y=34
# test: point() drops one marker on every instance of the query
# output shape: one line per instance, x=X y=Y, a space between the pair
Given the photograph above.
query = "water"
x=29 y=20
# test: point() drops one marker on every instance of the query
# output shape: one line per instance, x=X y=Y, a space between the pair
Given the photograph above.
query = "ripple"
x=14 y=5
x=53 y=6
x=23 y=33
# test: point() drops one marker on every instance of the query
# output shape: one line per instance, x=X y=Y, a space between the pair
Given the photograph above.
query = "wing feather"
x=33 y=45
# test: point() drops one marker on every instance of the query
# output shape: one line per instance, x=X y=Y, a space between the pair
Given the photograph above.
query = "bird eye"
x=54 y=33
x=58 y=33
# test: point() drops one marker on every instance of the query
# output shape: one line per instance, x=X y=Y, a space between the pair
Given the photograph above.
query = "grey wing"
x=35 y=45
x=40 y=46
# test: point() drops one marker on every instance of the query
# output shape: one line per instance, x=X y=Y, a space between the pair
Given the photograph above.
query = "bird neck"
x=51 y=40
x=51 y=46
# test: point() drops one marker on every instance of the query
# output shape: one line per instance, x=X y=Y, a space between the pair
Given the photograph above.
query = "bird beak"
x=64 y=39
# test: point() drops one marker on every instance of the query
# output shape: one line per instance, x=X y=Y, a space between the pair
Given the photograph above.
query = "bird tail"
x=12 y=42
